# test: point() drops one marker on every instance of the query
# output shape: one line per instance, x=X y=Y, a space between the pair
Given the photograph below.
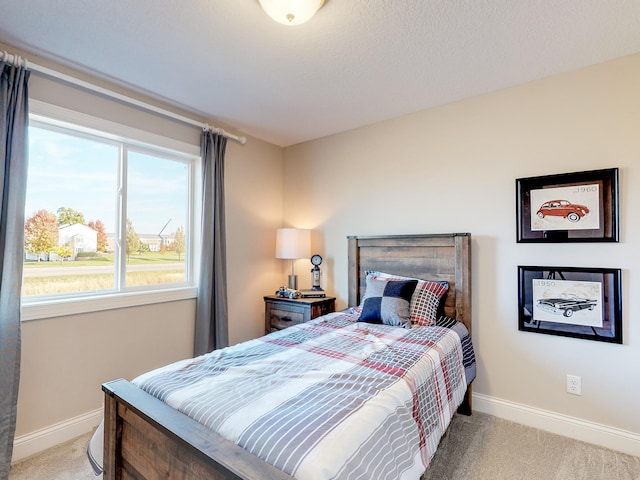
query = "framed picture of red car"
x=572 y=302
x=568 y=207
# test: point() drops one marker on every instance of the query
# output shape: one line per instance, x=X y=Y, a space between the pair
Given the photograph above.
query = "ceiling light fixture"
x=291 y=12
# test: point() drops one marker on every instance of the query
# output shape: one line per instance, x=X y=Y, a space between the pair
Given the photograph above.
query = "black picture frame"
x=543 y=216
x=571 y=301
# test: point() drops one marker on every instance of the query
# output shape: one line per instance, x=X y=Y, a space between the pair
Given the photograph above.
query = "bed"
x=146 y=438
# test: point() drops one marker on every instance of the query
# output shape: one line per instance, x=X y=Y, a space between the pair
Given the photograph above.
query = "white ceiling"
x=355 y=63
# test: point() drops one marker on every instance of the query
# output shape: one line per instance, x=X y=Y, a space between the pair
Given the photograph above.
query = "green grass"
x=56 y=284
x=106 y=259
x=78 y=282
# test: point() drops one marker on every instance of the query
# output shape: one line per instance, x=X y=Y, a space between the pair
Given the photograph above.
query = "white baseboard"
x=34 y=442
x=583 y=430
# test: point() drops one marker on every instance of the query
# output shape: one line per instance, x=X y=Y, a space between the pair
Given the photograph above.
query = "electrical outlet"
x=574 y=384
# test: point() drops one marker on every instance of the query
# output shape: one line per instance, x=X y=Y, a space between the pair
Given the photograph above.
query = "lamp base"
x=293 y=282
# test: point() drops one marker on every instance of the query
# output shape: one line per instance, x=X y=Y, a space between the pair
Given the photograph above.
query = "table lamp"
x=293 y=244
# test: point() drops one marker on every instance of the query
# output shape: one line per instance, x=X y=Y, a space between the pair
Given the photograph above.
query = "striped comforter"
x=328 y=399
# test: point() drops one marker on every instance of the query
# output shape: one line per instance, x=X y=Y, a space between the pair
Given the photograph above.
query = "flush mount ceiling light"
x=291 y=12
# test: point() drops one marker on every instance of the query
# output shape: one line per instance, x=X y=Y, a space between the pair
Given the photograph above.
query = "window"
x=109 y=212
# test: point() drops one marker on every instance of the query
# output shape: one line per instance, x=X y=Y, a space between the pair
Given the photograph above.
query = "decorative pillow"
x=426 y=299
x=387 y=302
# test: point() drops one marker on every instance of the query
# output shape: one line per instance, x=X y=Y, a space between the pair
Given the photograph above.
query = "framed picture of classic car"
x=568 y=207
x=570 y=301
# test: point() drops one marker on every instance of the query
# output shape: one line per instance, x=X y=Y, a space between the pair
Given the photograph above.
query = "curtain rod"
x=7 y=57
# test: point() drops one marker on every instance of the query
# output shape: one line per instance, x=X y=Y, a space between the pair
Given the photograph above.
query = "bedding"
x=331 y=398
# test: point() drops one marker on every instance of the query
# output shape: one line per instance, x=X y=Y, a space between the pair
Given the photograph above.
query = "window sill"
x=59 y=308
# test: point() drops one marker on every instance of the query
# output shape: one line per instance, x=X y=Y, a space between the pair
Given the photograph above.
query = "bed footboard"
x=145 y=438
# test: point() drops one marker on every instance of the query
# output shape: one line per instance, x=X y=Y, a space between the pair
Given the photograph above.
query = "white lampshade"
x=293 y=243
x=291 y=12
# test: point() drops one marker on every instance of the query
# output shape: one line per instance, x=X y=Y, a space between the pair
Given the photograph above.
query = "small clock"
x=316 y=260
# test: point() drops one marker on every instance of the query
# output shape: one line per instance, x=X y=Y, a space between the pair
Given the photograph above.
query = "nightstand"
x=281 y=313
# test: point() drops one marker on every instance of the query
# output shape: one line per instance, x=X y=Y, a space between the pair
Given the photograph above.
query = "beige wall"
x=66 y=359
x=453 y=169
x=253 y=179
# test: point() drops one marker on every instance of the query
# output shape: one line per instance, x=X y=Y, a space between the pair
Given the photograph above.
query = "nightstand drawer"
x=281 y=313
x=283 y=318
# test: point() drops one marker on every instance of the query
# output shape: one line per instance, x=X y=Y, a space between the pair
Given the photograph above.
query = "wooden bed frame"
x=146 y=439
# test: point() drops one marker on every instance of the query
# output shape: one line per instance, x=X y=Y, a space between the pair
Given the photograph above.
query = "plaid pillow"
x=387 y=302
x=426 y=299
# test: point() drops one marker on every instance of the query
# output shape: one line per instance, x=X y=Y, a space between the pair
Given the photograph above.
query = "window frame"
x=40 y=307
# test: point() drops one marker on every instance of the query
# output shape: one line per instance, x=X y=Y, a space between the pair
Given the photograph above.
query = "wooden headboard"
x=430 y=257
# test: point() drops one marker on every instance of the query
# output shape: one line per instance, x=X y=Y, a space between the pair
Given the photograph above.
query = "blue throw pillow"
x=387 y=301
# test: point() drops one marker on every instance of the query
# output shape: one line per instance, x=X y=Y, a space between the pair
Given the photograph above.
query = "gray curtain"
x=211 y=311
x=14 y=122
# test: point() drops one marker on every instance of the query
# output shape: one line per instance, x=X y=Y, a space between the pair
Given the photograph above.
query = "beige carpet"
x=67 y=461
x=483 y=447
x=480 y=447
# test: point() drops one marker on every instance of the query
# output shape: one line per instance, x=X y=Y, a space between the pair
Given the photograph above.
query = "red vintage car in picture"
x=563 y=208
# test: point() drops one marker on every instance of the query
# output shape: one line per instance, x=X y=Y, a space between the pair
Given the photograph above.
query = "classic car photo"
x=562 y=208
x=566 y=306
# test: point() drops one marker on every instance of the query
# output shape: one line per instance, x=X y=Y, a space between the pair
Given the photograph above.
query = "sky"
x=80 y=173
